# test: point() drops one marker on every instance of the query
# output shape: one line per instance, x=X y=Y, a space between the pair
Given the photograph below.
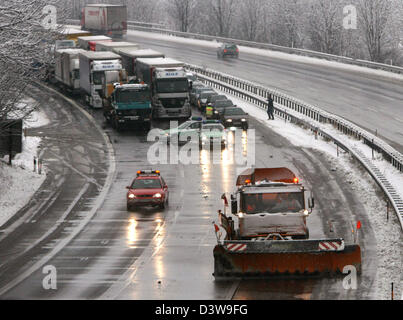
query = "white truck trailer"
x=105 y=19
x=67 y=69
x=129 y=57
x=89 y=42
x=115 y=46
x=169 y=86
x=98 y=72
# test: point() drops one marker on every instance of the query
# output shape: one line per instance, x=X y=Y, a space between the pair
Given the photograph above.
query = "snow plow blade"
x=242 y=259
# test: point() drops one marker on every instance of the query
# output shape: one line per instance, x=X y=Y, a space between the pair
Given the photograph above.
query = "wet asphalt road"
x=149 y=253
x=371 y=101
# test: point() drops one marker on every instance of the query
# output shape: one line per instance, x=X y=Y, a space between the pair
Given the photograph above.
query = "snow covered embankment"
x=19 y=183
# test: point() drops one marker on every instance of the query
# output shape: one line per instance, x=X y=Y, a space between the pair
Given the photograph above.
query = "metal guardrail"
x=143 y=26
x=257 y=95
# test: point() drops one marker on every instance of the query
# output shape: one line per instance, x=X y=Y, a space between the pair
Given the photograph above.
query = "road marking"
x=97 y=203
x=89 y=179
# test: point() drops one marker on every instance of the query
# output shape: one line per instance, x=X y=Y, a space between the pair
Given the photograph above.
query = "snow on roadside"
x=19 y=182
x=388 y=233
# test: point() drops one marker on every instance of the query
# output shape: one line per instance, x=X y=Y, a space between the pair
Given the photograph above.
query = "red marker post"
x=357 y=228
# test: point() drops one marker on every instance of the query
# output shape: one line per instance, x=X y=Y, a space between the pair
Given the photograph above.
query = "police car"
x=213 y=133
x=147 y=189
x=185 y=130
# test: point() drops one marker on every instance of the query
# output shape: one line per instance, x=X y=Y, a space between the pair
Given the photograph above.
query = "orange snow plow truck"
x=267 y=234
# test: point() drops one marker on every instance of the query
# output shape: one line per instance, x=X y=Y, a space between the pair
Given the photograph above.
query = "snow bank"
x=19 y=182
x=388 y=233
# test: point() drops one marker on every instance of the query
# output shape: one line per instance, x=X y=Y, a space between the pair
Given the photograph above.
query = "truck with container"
x=99 y=72
x=267 y=234
x=67 y=69
x=115 y=46
x=129 y=107
x=89 y=42
x=129 y=58
x=105 y=19
x=169 y=86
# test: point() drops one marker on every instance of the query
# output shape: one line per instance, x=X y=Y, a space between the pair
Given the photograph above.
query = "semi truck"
x=89 y=42
x=267 y=234
x=115 y=46
x=105 y=19
x=130 y=56
x=129 y=107
x=169 y=86
x=67 y=69
x=99 y=71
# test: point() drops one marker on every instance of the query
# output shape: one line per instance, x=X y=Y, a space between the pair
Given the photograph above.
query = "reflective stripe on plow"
x=329 y=246
x=236 y=247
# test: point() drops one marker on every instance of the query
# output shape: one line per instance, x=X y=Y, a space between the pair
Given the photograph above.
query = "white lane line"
x=97 y=203
x=89 y=179
x=64 y=216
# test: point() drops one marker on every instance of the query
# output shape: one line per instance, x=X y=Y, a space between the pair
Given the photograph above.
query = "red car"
x=147 y=189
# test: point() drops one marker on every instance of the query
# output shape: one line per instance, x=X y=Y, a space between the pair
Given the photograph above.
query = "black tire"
x=245 y=127
x=129 y=207
x=162 y=205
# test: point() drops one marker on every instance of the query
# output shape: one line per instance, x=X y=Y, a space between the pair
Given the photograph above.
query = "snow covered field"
x=19 y=182
x=388 y=233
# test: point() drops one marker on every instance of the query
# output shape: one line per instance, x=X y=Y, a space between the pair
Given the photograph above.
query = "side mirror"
x=311 y=203
x=234 y=205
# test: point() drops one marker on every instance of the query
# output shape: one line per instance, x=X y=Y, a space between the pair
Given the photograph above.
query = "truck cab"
x=276 y=206
x=130 y=106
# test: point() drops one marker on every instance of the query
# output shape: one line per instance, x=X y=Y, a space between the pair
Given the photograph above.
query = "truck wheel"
x=129 y=207
x=245 y=127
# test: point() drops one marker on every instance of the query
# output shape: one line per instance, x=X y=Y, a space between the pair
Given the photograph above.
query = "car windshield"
x=184 y=125
x=191 y=77
x=213 y=127
x=234 y=112
x=223 y=103
x=173 y=85
x=273 y=202
x=218 y=98
x=127 y=96
x=146 y=184
x=205 y=95
x=230 y=46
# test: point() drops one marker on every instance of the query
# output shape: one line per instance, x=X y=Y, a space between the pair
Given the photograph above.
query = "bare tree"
x=250 y=18
x=221 y=16
x=374 y=16
x=325 y=29
x=25 y=50
x=182 y=12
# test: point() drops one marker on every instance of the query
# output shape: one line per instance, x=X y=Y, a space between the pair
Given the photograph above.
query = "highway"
x=154 y=254
x=373 y=102
x=168 y=254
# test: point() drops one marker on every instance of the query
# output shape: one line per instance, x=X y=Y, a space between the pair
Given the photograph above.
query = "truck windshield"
x=273 y=202
x=173 y=85
x=127 y=96
x=97 y=77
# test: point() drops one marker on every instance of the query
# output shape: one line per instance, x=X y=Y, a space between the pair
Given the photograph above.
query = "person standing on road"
x=270 y=107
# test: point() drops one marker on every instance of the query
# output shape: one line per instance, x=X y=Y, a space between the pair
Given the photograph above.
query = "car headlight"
x=157 y=195
x=216 y=112
x=131 y=196
x=204 y=138
x=243 y=120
